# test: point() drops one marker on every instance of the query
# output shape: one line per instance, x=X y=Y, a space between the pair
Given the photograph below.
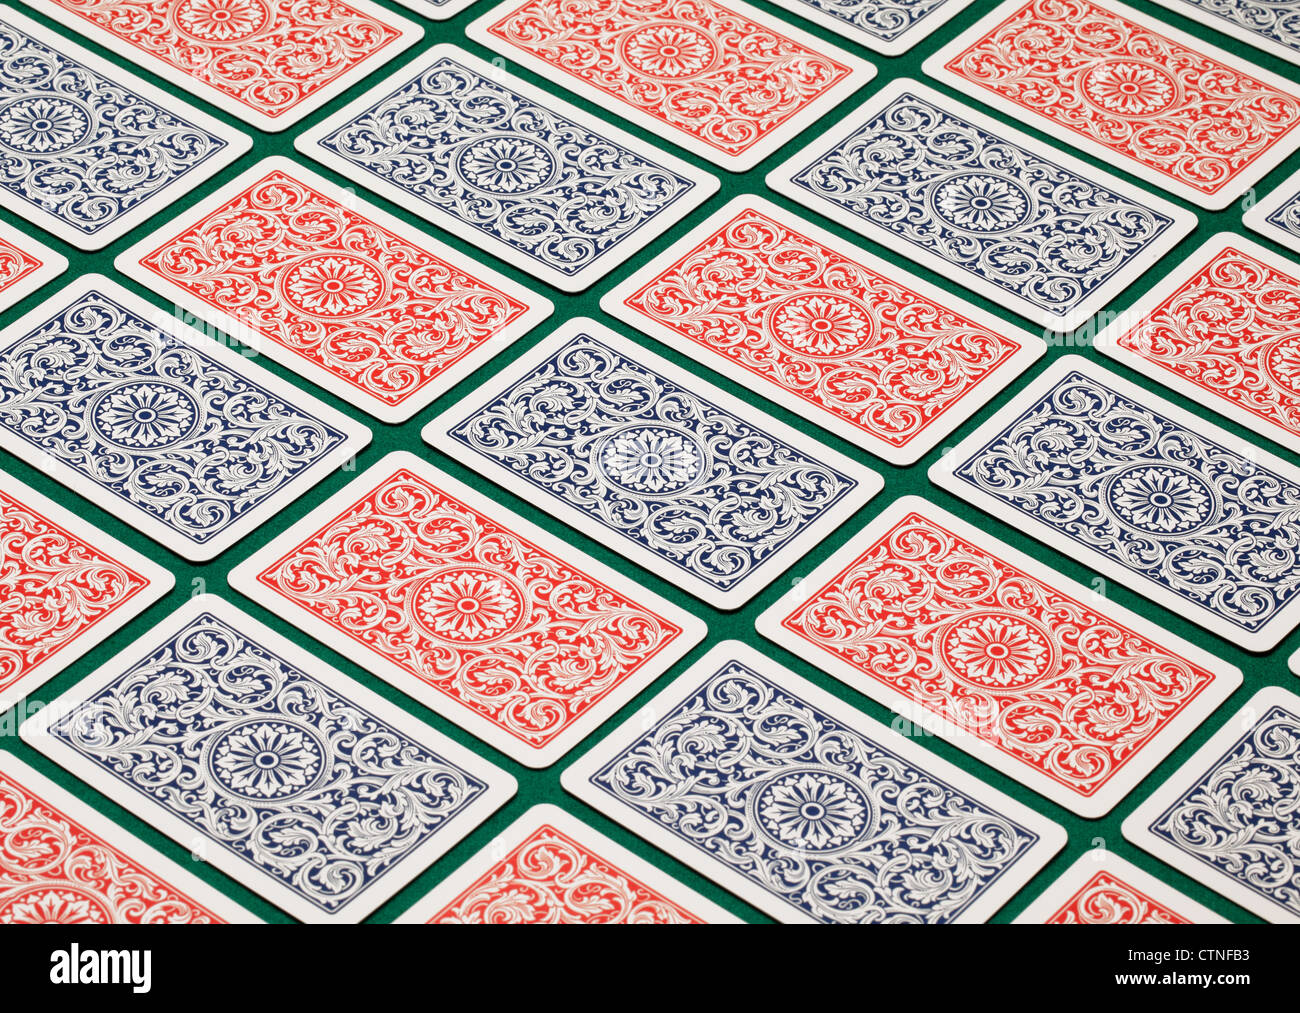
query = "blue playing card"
x=277 y=769
x=1016 y=221
x=1228 y=816
x=181 y=437
x=653 y=462
x=88 y=151
x=807 y=808
x=887 y=26
x=1116 y=477
x=550 y=189
x=1268 y=24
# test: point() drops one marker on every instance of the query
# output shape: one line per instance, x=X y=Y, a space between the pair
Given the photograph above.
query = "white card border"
x=356 y=436
x=237 y=144
x=588 y=837
x=1135 y=826
x=538 y=306
x=704 y=184
x=1088 y=864
x=1032 y=347
x=1263 y=639
x=1240 y=183
x=52 y=265
x=895 y=47
x=409 y=33
x=135 y=849
x=1256 y=219
x=436 y=433
x=1138 y=766
x=1183 y=222
x=860 y=73
x=243 y=579
x=575 y=781
x=159 y=581
x=500 y=785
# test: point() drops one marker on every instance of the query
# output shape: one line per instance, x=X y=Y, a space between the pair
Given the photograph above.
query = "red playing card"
x=1107 y=900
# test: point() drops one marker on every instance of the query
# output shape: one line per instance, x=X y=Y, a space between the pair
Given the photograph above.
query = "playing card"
x=63 y=863
x=1103 y=889
x=438 y=10
x=1020 y=223
x=1228 y=816
x=1024 y=669
x=282 y=772
x=1277 y=215
x=367 y=307
x=476 y=613
x=183 y=438
x=1147 y=494
x=25 y=265
x=1165 y=106
x=509 y=167
x=1266 y=24
x=806 y=808
x=723 y=79
x=890 y=27
x=653 y=462
x=548 y=868
x=91 y=151
x=65 y=586
x=1221 y=329
x=269 y=62
x=860 y=347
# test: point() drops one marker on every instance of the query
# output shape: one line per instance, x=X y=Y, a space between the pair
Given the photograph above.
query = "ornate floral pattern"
x=836 y=334
x=808 y=809
x=267 y=55
x=997 y=653
x=1107 y=80
x=15 y=265
x=492 y=621
x=248 y=750
x=55 y=871
x=883 y=20
x=551 y=879
x=652 y=459
x=695 y=65
x=1107 y=900
x=334 y=287
x=54 y=588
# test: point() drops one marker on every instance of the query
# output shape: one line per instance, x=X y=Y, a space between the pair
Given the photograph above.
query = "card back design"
x=263 y=60
x=381 y=315
x=1104 y=470
x=924 y=616
x=803 y=806
x=449 y=596
x=1222 y=328
x=1278 y=214
x=1271 y=26
x=301 y=780
x=652 y=460
x=724 y=78
x=1107 y=900
x=855 y=344
x=90 y=151
x=1199 y=122
x=891 y=27
x=552 y=190
x=186 y=439
x=1042 y=234
x=25 y=265
x=54 y=869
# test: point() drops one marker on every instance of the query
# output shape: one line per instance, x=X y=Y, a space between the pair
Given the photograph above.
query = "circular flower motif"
x=469 y=606
x=43 y=125
x=506 y=165
x=651 y=459
x=333 y=285
x=145 y=416
x=823 y=324
x=1282 y=361
x=997 y=652
x=266 y=761
x=978 y=202
x=221 y=20
x=1128 y=88
x=1161 y=500
x=670 y=52
x=59 y=905
x=812 y=809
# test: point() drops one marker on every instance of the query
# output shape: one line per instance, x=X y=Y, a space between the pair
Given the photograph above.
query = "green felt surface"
x=544 y=785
